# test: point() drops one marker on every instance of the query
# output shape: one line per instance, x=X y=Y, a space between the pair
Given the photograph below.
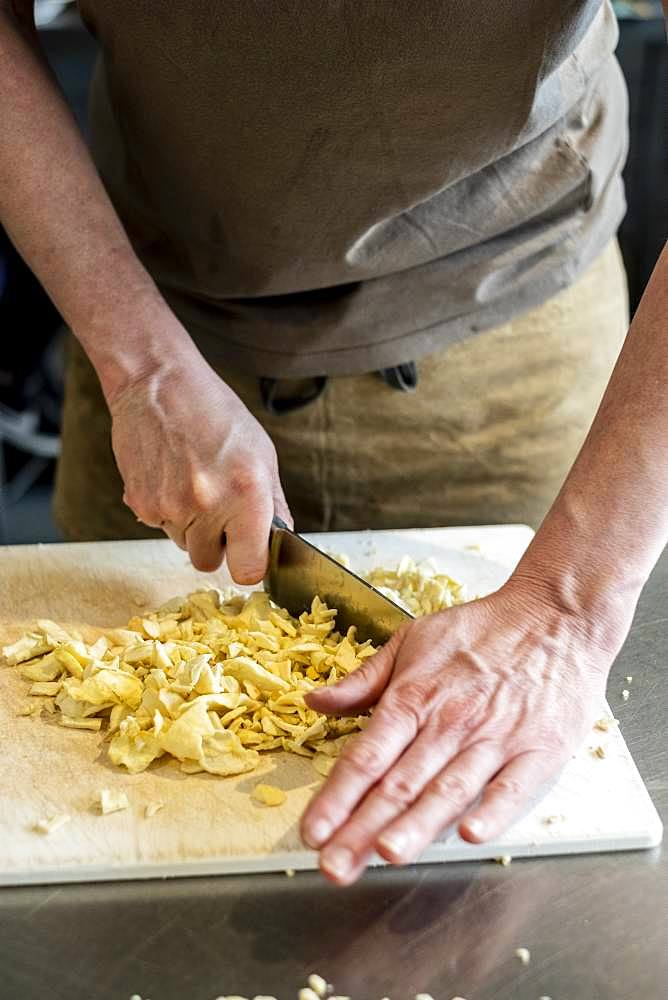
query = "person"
x=374 y=242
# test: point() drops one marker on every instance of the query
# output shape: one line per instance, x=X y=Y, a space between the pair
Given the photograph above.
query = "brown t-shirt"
x=337 y=186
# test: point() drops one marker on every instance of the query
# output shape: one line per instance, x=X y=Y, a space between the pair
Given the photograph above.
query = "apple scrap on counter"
x=212 y=679
x=318 y=989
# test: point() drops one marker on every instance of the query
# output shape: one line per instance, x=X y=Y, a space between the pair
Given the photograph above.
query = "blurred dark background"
x=31 y=362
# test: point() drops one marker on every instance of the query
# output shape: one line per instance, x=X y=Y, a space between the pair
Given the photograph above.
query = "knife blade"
x=298 y=571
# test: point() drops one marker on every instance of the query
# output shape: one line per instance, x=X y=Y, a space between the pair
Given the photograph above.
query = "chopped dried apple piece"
x=212 y=680
x=108 y=801
x=323 y=764
x=51 y=823
x=152 y=808
x=94 y=725
x=269 y=795
x=48 y=688
x=318 y=985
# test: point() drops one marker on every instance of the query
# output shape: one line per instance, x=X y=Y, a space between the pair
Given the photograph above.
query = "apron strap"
x=404 y=378
x=280 y=405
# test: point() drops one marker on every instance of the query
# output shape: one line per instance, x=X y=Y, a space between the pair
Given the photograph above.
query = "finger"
x=394 y=794
x=342 y=867
x=507 y=794
x=443 y=800
x=177 y=535
x=363 y=687
x=204 y=541
x=248 y=538
x=365 y=760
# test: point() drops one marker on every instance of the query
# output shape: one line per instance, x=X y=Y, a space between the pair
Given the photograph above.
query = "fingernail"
x=337 y=860
x=394 y=843
x=475 y=826
x=318 y=834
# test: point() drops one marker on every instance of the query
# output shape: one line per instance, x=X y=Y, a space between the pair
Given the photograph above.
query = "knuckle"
x=399 y=788
x=465 y=711
x=399 y=707
x=453 y=787
x=366 y=756
x=508 y=787
x=204 y=503
x=245 y=480
x=201 y=494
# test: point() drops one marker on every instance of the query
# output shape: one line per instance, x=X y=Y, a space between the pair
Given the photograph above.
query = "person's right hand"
x=197 y=464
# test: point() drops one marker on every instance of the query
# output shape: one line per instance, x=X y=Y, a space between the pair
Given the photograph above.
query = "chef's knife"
x=298 y=571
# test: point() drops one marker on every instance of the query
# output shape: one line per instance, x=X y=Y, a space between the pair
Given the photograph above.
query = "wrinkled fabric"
x=344 y=186
x=487 y=437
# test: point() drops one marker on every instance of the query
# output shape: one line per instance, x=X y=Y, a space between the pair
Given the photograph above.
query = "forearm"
x=56 y=211
x=609 y=524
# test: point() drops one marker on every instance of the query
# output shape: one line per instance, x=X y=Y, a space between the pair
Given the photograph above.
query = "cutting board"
x=211 y=825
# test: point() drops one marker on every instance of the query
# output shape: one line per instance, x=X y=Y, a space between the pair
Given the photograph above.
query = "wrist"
x=597 y=611
x=583 y=578
x=140 y=340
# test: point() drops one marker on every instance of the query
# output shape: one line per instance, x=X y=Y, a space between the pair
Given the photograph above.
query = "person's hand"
x=475 y=707
x=197 y=464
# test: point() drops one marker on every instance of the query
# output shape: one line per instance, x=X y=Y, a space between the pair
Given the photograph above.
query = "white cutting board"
x=211 y=825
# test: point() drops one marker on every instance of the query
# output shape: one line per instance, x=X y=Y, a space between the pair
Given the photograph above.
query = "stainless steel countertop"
x=597 y=926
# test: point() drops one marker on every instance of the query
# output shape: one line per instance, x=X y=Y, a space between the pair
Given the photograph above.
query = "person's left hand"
x=485 y=699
